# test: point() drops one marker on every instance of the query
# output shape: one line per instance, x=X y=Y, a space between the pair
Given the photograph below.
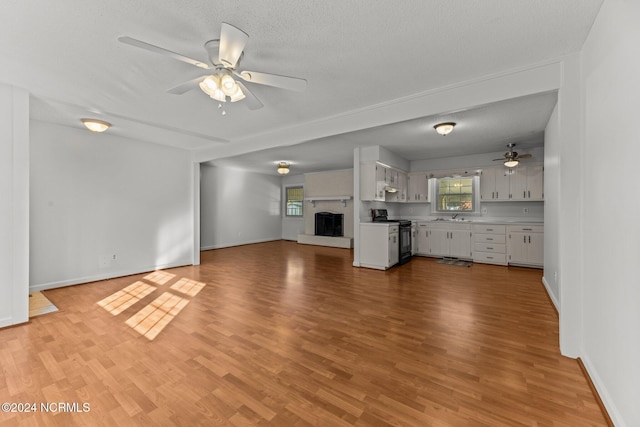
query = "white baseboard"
x=607 y=401
x=232 y=244
x=102 y=276
x=551 y=295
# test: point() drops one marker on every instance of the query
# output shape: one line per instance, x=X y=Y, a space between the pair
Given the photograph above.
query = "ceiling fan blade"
x=161 y=51
x=284 y=82
x=252 y=101
x=525 y=156
x=232 y=42
x=186 y=86
x=495 y=160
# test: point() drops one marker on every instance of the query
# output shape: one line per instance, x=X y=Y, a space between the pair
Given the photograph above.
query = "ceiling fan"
x=224 y=59
x=512 y=158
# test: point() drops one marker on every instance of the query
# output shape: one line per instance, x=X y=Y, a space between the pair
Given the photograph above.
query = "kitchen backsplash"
x=494 y=210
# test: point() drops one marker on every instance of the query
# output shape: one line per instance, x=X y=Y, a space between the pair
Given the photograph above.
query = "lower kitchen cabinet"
x=526 y=245
x=422 y=240
x=379 y=245
x=450 y=240
x=490 y=244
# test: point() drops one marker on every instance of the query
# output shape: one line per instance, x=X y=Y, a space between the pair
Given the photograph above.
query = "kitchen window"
x=294 y=201
x=457 y=194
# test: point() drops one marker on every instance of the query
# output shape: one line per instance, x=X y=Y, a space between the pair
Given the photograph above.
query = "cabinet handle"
x=489 y=257
x=489 y=238
x=497 y=195
x=524 y=194
x=489 y=248
x=529 y=191
x=529 y=239
x=489 y=229
x=524 y=239
x=527 y=229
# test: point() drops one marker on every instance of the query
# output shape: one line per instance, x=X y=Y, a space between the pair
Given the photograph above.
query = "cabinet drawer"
x=499 y=248
x=489 y=228
x=394 y=229
x=490 y=258
x=526 y=228
x=490 y=238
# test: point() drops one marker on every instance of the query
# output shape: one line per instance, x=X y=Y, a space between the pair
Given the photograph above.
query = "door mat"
x=456 y=262
x=39 y=304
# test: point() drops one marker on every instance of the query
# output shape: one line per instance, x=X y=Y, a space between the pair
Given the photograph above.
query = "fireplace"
x=329 y=224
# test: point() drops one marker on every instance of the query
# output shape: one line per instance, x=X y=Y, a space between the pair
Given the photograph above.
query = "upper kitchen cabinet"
x=400 y=186
x=372 y=182
x=418 y=187
x=522 y=183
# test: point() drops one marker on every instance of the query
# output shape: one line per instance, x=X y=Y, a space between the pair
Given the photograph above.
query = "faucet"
x=455 y=215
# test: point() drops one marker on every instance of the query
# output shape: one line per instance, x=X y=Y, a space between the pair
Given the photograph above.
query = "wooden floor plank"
x=284 y=334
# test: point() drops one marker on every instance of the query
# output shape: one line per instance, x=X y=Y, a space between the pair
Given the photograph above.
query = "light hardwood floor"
x=283 y=334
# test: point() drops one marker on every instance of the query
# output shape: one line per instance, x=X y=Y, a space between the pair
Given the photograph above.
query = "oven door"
x=405 y=243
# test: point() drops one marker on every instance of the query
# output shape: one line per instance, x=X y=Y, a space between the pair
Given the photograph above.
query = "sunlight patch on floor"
x=125 y=298
x=154 y=317
x=159 y=277
x=188 y=287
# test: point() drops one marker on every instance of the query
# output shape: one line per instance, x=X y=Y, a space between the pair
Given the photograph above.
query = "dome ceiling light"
x=95 y=125
x=283 y=168
x=444 y=129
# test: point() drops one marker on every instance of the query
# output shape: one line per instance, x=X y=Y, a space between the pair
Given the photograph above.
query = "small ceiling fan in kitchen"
x=223 y=80
x=511 y=158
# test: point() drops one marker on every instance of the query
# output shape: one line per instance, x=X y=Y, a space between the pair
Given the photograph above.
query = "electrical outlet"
x=485 y=211
x=525 y=210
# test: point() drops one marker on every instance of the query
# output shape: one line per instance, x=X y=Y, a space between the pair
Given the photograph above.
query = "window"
x=456 y=194
x=295 y=199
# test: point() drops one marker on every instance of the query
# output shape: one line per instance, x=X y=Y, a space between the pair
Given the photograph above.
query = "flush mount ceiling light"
x=283 y=168
x=444 y=128
x=95 y=125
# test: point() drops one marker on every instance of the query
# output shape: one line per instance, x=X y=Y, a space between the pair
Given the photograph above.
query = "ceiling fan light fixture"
x=444 y=129
x=511 y=163
x=283 y=168
x=95 y=125
x=210 y=85
x=229 y=86
x=238 y=95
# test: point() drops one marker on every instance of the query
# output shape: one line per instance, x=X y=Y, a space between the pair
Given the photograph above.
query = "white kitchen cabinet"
x=414 y=238
x=372 y=182
x=489 y=244
x=423 y=239
x=400 y=183
x=526 y=183
x=526 y=245
x=418 y=187
x=450 y=240
x=522 y=183
x=379 y=245
x=494 y=184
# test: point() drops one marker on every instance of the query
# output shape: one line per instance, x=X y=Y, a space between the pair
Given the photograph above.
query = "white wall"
x=96 y=196
x=238 y=207
x=551 y=207
x=291 y=226
x=14 y=205
x=611 y=284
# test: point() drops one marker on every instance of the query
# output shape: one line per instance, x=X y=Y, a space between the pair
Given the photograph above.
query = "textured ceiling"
x=354 y=54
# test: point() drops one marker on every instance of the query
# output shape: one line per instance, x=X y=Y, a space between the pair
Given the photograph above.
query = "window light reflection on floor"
x=159 y=277
x=152 y=319
x=125 y=298
x=188 y=287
